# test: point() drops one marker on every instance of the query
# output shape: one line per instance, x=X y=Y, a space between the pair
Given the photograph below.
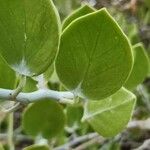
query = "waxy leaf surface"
x=31 y=85
x=7 y=75
x=95 y=57
x=45 y=118
x=74 y=115
x=86 y=9
x=29 y=34
x=140 y=68
x=110 y=116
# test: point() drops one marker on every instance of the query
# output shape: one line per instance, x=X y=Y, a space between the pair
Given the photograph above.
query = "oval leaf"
x=140 y=69
x=95 y=57
x=49 y=72
x=74 y=115
x=86 y=9
x=7 y=75
x=45 y=77
x=37 y=147
x=29 y=34
x=31 y=85
x=111 y=115
x=45 y=118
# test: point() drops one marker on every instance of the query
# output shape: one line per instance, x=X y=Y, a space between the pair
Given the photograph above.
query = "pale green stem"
x=14 y=94
x=62 y=97
x=10 y=132
x=20 y=86
x=13 y=108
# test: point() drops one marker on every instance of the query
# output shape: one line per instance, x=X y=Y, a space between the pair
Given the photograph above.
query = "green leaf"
x=48 y=73
x=31 y=85
x=45 y=118
x=74 y=115
x=29 y=34
x=140 y=68
x=86 y=9
x=95 y=57
x=66 y=6
x=7 y=75
x=46 y=76
x=110 y=116
x=1 y=147
x=37 y=147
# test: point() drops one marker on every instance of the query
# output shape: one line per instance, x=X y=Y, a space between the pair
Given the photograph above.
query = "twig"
x=91 y=138
x=37 y=95
x=13 y=108
x=19 y=87
x=77 y=141
x=144 y=146
x=85 y=145
x=10 y=132
x=18 y=137
x=133 y=5
x=145 y=97
x=13 y=95
x=140 y=124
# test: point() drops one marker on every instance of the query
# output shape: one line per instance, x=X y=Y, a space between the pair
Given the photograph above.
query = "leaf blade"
x=30 y=41
x=140 y=69
x=45 y=117
x=7 y=75
x=85 y=9
x=90 y=59
x=115 y=111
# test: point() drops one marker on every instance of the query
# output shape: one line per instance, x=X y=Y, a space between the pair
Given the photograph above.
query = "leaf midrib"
x=108 y=109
